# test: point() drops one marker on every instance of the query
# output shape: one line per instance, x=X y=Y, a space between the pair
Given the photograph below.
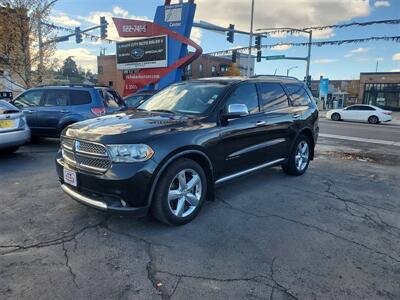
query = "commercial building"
x=380 y=89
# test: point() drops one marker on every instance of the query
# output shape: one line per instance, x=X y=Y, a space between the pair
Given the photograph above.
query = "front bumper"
x=14 y=138
x=123 y=189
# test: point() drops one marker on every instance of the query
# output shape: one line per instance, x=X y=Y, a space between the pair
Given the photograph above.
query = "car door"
x=242 y=139
x=351 y=113
x=53 y=108
x=29 y=102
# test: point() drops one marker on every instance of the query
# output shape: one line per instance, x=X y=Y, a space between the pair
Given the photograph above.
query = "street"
x=332 y=233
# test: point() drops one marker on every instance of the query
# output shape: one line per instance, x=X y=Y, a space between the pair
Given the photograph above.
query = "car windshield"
x=187 y=98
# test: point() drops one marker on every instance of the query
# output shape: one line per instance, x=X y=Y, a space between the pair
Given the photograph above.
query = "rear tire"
x=335 y=117
x=180 y=193
x=373 y=120
x=299 y=157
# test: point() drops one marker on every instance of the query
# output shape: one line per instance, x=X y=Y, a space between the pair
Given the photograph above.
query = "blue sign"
x=323 y=87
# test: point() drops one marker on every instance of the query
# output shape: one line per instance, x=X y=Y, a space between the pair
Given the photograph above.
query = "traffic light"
x=258 y=42
x=231 y=32
x=78 y=35
x=103 y=28
x=234 y=54
x=259 y=55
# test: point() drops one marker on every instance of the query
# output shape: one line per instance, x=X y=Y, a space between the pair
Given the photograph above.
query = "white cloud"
x=82 y=56
x=63 y=19
x=196 y=35
x=396 y=56
x=281 y=47
x=324 y=61
x=119 y=11
x=380 y=3
x=357 y=51
x=283 y=13
x=395 y=70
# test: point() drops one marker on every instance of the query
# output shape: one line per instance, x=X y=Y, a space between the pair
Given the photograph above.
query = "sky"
x=334 y=62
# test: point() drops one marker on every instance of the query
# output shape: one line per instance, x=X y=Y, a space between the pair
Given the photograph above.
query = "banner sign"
x=142 y=54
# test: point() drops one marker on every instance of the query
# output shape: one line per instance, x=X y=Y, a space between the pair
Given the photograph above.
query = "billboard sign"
x=323 y=88
x=142 y=53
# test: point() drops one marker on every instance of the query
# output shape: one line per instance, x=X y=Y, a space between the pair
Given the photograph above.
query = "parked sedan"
x=363 y=113
x=14 y=131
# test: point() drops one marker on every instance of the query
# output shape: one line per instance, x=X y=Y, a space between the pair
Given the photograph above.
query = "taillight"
x=387 y=113
x=98 y=111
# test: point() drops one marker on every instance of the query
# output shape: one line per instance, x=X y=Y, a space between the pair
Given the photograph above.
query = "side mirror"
x=234 y=111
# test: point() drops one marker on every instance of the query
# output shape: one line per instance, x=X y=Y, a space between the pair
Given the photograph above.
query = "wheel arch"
x=308 y=133
x=194 y=154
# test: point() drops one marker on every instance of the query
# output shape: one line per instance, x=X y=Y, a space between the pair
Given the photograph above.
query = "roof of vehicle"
x=257 y=78
x=45 y=86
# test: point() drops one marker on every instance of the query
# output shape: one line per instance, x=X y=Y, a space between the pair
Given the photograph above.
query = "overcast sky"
x=335 y=62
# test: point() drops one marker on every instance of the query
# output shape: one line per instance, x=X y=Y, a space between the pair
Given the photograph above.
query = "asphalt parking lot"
x=333 y=233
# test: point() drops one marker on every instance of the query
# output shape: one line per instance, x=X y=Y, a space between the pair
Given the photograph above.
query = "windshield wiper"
x=164 y=110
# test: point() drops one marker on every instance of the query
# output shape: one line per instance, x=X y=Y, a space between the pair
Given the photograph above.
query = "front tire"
x=180 y=193
x=373 y=120
x=299 y=158
x=335 y=117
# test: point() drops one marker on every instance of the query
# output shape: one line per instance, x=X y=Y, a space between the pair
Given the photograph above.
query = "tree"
x=70 y=68
x=20 y=31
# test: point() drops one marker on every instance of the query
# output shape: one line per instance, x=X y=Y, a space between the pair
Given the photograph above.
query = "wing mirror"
x=234 y=111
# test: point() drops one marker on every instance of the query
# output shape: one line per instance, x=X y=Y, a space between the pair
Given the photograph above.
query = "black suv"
x=166 y=156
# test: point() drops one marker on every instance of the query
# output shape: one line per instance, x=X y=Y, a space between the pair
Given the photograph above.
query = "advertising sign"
x=323 y=88
x=142 y=53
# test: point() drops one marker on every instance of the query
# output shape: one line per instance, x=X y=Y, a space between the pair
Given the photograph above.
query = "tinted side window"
x=355 y=107
x=245 y=94
x=298 y=94
x=367 y=108
x=79 y=97
x=109 y=100
x=30 y=98
x=56 y=98
x=273 y=96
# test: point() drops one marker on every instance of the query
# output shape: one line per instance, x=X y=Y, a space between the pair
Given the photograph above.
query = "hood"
x=129 y=126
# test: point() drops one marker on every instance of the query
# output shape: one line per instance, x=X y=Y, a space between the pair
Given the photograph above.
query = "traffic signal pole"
x=250 y=38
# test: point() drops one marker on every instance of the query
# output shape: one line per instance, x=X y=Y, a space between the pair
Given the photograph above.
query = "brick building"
x=381 y=89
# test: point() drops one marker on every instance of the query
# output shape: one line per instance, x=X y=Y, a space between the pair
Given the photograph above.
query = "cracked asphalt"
x=333 y=233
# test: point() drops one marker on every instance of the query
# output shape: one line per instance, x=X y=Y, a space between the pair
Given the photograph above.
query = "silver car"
x=14 y=130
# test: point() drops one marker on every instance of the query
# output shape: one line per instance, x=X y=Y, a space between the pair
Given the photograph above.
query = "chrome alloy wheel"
x=184 y=193
x=302 y=155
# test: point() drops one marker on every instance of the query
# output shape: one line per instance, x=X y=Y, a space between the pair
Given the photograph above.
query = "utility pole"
x=309 y=54
x=376 y=67
x=250 y=38
x=40 y=38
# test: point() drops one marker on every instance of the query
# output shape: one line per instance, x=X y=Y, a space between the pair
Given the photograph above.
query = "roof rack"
x=275 y=76
x=69 y=85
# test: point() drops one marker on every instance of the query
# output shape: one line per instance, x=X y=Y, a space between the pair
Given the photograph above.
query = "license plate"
x=70 y=177
x=6 y=123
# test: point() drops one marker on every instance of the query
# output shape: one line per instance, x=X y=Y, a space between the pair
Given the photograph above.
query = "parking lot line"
x=357 y=139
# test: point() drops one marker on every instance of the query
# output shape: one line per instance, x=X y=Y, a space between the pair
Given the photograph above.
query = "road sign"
x=272 y=57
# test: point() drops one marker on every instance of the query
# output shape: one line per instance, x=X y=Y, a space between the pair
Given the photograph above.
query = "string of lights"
x=324 y=27
x=318 y=44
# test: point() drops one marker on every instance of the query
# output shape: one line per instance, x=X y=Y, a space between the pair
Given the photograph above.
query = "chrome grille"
x=85 y=155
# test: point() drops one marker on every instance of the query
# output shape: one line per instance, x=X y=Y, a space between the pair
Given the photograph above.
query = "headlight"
x=22 y=122
x=130 y=152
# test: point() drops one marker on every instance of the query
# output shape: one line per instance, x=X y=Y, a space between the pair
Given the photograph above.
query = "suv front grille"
x=85 y=155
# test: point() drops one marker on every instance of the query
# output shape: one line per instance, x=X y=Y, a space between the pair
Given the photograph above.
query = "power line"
x=318 y=44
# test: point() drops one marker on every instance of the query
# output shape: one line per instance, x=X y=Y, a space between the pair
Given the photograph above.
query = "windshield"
x=188 y=97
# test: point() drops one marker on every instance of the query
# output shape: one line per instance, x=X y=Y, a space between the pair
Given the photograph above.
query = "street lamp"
x=288 y=70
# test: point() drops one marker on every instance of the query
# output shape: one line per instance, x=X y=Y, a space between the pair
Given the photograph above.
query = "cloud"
x=119 y=11
x=82 y=56
x=357 y=51
x=64 y=19
x=324 y=61
x=395 y=70
x=380 y=3
x=196 y=35
x=396 y=56
x=281 y=47
x=283 y=13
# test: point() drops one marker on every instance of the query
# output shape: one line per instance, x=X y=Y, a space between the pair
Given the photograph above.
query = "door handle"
x=296 y=116
x=29 y=111
x=260 y=123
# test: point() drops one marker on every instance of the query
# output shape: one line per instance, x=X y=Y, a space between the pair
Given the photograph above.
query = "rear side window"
x=109 y=100
x=273 y=96
x=245 y=94
x=30 y=98
x=298 y=94
x=77 y=97
x=56 y=98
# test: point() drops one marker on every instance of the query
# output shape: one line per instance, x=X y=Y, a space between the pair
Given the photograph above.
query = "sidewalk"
x=395 y=117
